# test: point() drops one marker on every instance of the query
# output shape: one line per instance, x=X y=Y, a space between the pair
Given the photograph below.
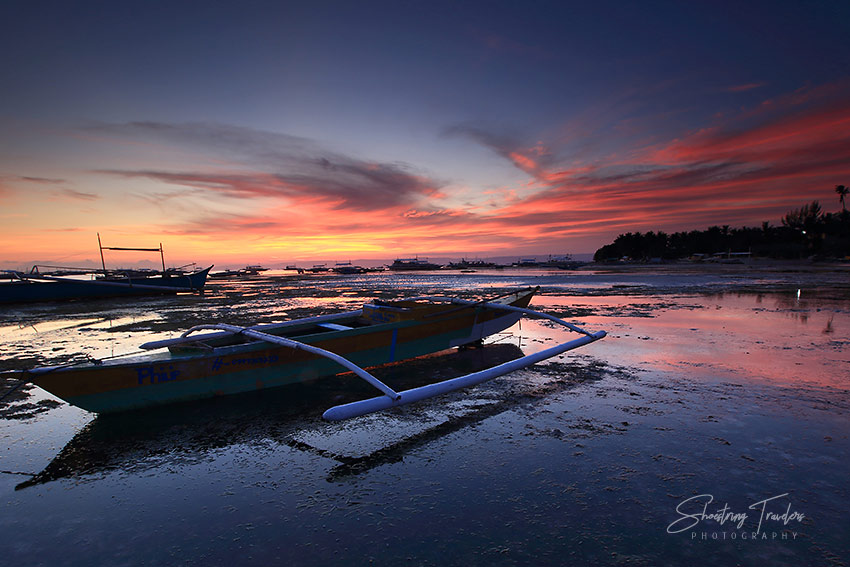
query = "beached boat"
x=526 y=263
x=225 y=274
x=564 y=262
x=254 y=270
x=63 y=283
x=247 y=271
x=23 y=287
x=347 y=268
x=465 y=264
x=214 y=360
x=413 y=264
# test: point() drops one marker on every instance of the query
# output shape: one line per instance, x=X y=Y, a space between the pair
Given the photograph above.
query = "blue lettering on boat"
x=382 y=317
x=156 y=375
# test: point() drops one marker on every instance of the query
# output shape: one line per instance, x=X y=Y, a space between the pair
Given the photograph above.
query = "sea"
x=709 y=427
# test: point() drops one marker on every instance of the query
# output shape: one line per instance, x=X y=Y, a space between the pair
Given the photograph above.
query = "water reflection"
x=134 y=442
x=736 y=335
x=828 y=329
x=477 y=408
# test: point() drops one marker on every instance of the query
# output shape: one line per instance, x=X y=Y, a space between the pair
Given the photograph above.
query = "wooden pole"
x=100 y=246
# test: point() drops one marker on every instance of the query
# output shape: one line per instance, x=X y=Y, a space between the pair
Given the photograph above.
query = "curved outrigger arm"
x=363 y=407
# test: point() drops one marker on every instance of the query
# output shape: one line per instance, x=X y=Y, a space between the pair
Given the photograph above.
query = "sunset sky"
x=279 y=132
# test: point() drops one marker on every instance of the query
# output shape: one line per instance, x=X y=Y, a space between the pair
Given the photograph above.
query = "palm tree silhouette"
x=842 y=192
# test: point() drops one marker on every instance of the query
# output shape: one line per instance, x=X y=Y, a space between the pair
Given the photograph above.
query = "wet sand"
x=722 y=391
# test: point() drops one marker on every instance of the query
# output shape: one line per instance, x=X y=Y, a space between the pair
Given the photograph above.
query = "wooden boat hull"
x=43 y=288
x=191 y=372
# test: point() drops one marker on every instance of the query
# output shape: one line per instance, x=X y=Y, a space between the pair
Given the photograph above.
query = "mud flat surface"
x=710 y=427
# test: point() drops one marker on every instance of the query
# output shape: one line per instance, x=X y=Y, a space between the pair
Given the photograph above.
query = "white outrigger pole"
x=390 y=397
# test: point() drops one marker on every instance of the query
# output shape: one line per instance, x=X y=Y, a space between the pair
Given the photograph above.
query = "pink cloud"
x=745 y=174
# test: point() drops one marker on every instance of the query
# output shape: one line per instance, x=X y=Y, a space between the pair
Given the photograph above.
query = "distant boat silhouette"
x=411 y=264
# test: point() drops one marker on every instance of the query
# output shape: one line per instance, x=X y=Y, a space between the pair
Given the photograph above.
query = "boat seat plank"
x=334 y=326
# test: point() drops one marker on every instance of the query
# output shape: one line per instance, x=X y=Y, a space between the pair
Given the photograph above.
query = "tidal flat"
x=710 y=427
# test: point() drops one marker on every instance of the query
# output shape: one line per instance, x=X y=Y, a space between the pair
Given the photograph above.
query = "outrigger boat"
x=63 y=283
x=220 y=359
x=20 y=287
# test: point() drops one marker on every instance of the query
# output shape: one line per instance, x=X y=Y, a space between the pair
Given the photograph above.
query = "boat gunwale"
x=151 y=352
x=310 y=338
x=251 y=358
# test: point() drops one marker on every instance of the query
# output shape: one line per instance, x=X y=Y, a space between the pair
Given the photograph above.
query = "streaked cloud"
x=39 y=180
x=267 y=164
x=75 y=195
x=9 y=184
x=744 y=87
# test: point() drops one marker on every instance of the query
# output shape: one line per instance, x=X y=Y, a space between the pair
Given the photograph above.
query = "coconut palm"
x=842 y=192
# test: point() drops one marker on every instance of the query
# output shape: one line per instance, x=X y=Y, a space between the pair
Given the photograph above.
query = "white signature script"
x=695 y=509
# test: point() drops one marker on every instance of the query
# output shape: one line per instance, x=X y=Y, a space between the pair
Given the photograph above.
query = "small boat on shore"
x=253 y=270
x=348 y=268
x=63 y=283
x=473 y=265
x=25 y=287
x=220 y=359
x=247 y=271
x=413 y=264
x=564 y=262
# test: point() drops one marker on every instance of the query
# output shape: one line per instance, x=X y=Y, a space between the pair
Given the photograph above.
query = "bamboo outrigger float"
x=221 y=359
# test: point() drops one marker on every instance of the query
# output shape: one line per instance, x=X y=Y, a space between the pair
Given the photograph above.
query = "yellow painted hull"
x=376 y=335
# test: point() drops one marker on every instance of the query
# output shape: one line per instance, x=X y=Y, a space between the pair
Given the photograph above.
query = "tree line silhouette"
x=807 y=232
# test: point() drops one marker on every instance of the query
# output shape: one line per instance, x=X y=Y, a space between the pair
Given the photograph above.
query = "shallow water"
x=726 y=383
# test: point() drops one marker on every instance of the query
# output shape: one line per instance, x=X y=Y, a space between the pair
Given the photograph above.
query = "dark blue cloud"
x=267 y=164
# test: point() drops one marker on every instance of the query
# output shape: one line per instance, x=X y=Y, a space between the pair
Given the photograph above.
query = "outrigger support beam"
x=389 y=393
x=364 y=407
